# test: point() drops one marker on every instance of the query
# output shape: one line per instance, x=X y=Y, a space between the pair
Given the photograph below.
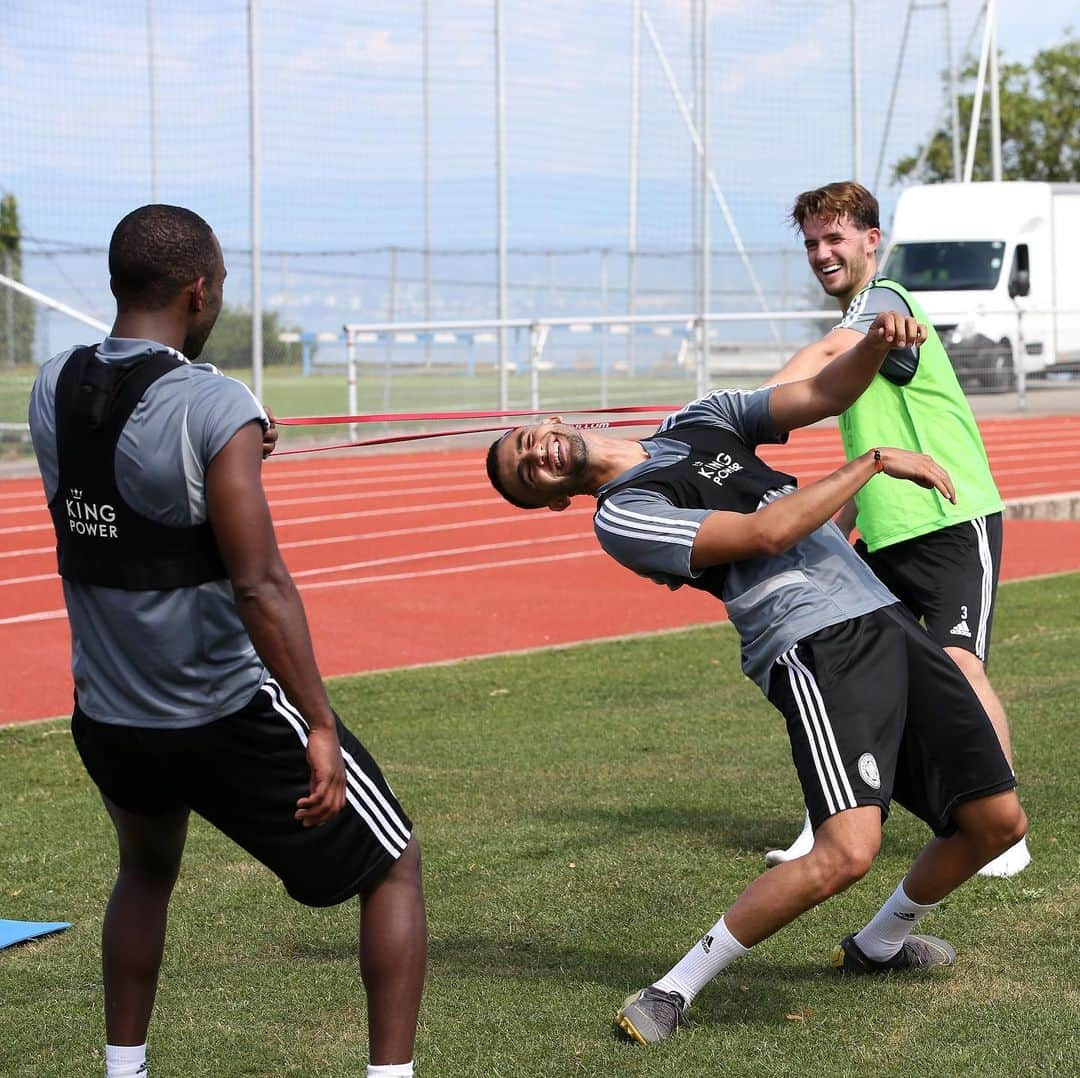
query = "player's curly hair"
x=493 y=474
x=155 y=251
x=835 y=200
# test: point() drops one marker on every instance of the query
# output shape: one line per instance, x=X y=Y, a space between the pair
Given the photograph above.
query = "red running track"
x=404 y=560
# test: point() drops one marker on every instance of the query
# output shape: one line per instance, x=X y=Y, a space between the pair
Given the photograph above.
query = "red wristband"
x=879 y=464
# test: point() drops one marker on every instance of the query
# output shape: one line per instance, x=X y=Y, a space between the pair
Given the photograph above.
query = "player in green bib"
x=941 y=560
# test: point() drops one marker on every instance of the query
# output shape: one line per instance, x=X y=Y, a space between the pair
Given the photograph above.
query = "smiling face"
x=842 y=255
x=542 y=464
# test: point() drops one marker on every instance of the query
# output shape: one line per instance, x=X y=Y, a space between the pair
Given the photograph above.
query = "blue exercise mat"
x=20 y=931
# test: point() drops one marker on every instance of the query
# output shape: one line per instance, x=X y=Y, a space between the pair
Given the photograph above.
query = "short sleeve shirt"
x=773 y=602
x=171 y=658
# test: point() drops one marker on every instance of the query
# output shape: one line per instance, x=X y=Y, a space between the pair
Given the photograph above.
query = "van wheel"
x=997 y=374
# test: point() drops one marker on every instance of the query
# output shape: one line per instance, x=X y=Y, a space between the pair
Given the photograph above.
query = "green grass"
x=585 y=814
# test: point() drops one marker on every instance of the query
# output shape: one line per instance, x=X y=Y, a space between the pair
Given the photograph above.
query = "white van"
x=996 y=266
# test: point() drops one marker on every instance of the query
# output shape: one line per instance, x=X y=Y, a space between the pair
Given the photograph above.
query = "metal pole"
x=426 y=36
x=500 y=184
x=632 y=217
x=350 y=376
x=995 y=104
x=48 y=301
x=1018 y=366
x=895 y=87
x=150 y=60
x=703 y=363
x=856 y=148
x=604 y=330
x=256 y=209
x=391 y=311
x=976 y=105
x=718 y=195
x=697 y=189
x=9 y=311
x=783 y=299
x=538 y=335
x=954 y=101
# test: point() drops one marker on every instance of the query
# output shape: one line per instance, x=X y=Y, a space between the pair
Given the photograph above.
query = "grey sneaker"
x=651 y=1015
x=918 y=953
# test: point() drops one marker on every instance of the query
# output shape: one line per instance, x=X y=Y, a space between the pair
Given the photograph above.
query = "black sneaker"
x=918 y=952
x=651 y=1015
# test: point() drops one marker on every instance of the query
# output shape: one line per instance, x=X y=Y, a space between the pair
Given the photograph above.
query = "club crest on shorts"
x=869 y=770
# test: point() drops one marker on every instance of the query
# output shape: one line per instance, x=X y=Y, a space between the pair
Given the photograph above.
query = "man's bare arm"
x=725 y=537
x=270 y=607
x=840 y=382
x=808 y=361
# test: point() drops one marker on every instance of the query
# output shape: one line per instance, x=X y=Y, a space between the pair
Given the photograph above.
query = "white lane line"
x=396 y=559
x=359 y=537
x=27 y=551
x=55 y=615
x=396 y=510
x=353 y=496
x=448 y=552
x=41 y=615
x=28 y=579
x=395 y=533
x=479 y=567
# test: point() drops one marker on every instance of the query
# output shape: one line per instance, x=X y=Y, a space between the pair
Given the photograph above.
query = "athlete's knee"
x=836 y=865
x=406 y=869
x=971 y=666
x=993 y=823
x=150 y=866
x=1009 y=826
x=149 y=873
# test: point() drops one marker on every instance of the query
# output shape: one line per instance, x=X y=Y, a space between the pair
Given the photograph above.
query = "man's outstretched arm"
x=270 y=607
x=812 y=358
x=840 y=382
x=725 y=537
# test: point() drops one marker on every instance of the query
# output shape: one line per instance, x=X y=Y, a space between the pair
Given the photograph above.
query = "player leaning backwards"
x=940 y=558
x=875 y=710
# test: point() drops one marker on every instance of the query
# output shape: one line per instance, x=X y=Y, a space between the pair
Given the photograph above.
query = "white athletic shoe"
x=1015 y=859
x=802 y=845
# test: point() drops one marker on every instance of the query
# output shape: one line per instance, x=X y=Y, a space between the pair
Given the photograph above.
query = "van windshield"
x=953 y=266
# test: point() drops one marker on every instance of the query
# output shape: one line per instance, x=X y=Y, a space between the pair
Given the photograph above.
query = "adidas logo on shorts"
x=960 y=629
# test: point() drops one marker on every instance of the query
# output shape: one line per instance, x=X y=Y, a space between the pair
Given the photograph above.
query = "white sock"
x=125 y=1060
x=390 y=1070
x=884 y=935
x=715 y=950
x=804 y=842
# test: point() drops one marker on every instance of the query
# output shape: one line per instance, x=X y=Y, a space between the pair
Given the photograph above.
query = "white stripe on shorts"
x=987 y=587
x=386 y=826
x=823 y=747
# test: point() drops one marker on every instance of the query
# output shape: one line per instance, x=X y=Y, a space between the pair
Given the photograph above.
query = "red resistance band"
x=596 y=425
x=392 y=417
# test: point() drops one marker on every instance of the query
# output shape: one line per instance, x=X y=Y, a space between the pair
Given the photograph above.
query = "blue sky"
x=342 y=134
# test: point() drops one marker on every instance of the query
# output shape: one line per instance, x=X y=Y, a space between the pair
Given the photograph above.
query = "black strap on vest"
x=100 y=539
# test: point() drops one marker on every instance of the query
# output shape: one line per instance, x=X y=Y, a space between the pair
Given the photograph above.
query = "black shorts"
x=948 y=579
x=877 y=712
x=244 y=774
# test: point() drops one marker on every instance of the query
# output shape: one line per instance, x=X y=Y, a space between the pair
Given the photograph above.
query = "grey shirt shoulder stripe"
x=901 y=364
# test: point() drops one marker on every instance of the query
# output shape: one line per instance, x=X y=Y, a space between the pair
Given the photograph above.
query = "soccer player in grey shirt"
x=875 y=710
x=195 y=681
